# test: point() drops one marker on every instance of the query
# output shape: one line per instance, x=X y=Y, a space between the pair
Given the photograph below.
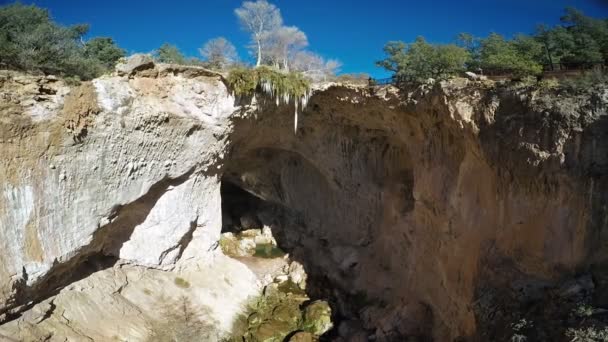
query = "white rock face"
x=135 y=185
x=157 y=240
x=134 y=63
x=133 y=303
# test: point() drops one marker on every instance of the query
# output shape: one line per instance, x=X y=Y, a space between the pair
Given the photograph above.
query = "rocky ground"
x=251 y=277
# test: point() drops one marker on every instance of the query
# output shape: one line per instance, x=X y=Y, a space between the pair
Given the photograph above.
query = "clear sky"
x=352 y=31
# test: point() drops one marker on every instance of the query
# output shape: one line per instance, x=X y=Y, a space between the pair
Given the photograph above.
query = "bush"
x=419 y=61
x=586 y=81
x=104 y=50
x=519 y=57
x=31 y=41
x=168 y=53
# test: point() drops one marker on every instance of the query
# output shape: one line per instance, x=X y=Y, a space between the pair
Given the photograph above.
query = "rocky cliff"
x=417 y=213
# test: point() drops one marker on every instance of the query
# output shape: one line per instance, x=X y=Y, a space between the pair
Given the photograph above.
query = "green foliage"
x=30 y=40
x=550 y=83
x=230 y=246
x=103 y=49
x=589 y=36
x=518 y=57
x=578 y=42
x=168 y=53
x=317 y=318
x=279 y=312
x=589 y=80
x=245 y=82
x=420 y=60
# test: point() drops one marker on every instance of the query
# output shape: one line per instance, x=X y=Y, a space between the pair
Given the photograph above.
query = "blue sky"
x=352 y=31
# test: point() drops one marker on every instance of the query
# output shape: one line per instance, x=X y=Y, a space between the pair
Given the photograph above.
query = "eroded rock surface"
x=406 y=209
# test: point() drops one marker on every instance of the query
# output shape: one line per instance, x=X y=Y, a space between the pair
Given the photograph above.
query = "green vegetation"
x=578 y=42
x=230 y=245
x=420 y=60
x=588 y=81
x=243 y=244
x=579 y=39
x=30 y=40
x=246 y=82
x=317 y=318
x=103 y=49
x=519 y=56
x=277 y=313
x=168 y=53
x=181 y=282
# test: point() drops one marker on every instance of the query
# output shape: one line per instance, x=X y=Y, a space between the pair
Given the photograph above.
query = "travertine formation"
x=407 y=209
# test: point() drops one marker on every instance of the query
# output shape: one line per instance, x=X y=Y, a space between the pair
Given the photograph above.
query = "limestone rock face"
x=132 y=303
x=410 y=209
x=140 y=181
x=136 y=62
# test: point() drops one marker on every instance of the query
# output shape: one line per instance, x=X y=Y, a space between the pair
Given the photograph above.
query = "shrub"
x=518 y=57
x=168 y=53
x=31 y=41
x=104 y=50
x=586 y=81
x=419 y=61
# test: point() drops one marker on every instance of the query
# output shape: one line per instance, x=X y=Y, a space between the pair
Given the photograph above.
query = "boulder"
x=303 y=336
x=134 y=63
x=317 y=318
x=297 y=274
x=474 y=77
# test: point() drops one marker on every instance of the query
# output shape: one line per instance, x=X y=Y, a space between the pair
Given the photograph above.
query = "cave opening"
x=253 y=232
x=239 y=208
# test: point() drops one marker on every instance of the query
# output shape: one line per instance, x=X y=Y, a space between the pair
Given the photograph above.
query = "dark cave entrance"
x=247 y=216
x=239 y=208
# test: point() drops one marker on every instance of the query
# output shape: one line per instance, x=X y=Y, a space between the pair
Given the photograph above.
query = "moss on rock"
x=317 y=318
x=245 y=82
x=278 y=313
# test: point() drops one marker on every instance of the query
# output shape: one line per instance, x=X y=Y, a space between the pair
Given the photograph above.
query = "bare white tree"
x=219 y=52
x=282 y=44
x=314 y=66
x=259 y=18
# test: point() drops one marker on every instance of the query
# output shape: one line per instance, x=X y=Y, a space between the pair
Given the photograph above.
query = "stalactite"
x=282 y=96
